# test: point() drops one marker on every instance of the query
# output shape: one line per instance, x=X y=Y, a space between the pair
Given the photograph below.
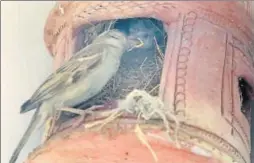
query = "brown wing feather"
x=73 y=69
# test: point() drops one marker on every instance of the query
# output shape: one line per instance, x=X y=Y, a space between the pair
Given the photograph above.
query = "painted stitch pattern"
x=182 y=60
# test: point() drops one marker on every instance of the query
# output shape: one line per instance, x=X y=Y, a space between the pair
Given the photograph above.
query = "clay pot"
x=210 y=47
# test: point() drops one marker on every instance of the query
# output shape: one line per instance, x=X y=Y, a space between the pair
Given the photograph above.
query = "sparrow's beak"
x=134 y=42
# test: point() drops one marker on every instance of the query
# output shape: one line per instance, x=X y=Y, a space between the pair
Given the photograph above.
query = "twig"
x=150 y=80
x=158 y=137
x=142 y=138
x=142 y=66
x=158 y=49
x=47 y=130
x=115 y=113
x=111 y=23
x=154 y=88
x=155 y=57
x=112 y=117
x=156 y=26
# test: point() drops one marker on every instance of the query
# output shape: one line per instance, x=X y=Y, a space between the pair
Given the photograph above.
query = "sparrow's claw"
x=82 y=113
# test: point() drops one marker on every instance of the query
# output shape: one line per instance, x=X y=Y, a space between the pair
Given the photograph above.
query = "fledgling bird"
x=77 y=80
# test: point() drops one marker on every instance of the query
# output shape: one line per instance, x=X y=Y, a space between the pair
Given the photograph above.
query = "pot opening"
x=140 y=68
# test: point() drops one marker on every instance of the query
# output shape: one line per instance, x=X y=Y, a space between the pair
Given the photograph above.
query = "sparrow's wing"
x=66 y=75
x=63 y=77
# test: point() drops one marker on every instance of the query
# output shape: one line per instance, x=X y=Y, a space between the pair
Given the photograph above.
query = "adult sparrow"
x=77 y=80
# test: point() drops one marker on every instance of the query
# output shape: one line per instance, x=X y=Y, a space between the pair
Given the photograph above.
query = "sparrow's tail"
x=28 y=105
x=35 y=120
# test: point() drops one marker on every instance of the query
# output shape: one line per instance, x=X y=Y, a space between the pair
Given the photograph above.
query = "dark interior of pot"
x=140 y=68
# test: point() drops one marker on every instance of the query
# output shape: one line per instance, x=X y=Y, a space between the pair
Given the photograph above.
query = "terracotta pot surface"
x=111 y=145
x=209 y=48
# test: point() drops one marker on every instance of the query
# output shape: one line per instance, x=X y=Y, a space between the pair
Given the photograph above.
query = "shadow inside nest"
x=140 y=68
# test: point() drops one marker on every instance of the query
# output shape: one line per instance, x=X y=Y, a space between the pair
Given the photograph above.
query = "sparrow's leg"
x=82 y=113
x=55 y=118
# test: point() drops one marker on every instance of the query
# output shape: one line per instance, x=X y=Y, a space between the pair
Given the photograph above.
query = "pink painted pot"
x=209 y=48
